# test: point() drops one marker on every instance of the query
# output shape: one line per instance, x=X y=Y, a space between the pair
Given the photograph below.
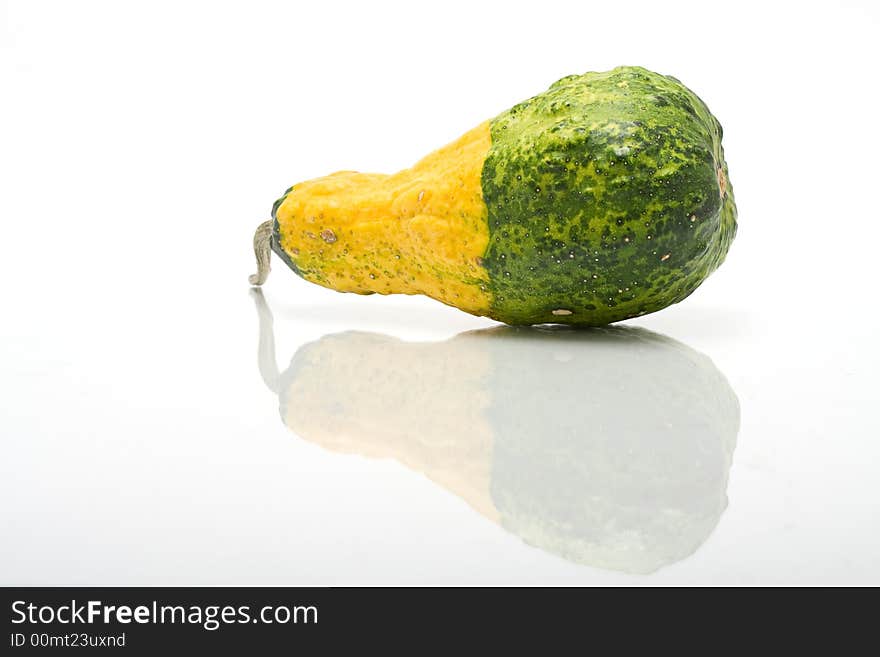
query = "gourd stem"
x=266 y=360
x=263 y=251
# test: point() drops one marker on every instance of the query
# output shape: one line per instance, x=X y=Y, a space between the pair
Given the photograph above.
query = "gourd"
x=604 y=198
x=609 y=447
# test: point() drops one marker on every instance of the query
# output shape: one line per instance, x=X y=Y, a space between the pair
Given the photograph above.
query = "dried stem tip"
x=263 y=251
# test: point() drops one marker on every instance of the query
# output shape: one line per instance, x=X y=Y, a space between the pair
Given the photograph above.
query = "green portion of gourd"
x=276 y=234
x=607 y=198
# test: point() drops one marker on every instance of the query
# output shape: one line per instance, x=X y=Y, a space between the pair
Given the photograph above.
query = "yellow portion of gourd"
x=422 y=230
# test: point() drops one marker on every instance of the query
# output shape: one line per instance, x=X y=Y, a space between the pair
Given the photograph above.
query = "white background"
x=143 y=141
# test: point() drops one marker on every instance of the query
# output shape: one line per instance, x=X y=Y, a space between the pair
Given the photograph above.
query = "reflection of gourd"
x=609 y=447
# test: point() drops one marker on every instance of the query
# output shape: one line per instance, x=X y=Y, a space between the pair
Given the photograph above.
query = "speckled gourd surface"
x=605 y=197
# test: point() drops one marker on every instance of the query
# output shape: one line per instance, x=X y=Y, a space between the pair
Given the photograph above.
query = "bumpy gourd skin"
x=605 y=197
x=420 y=231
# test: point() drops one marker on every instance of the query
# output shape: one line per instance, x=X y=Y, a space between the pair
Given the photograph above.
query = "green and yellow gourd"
x=604 y=198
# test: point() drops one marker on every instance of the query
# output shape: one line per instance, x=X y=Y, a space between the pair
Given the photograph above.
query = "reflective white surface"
x=609 y=447
x=734 y=438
